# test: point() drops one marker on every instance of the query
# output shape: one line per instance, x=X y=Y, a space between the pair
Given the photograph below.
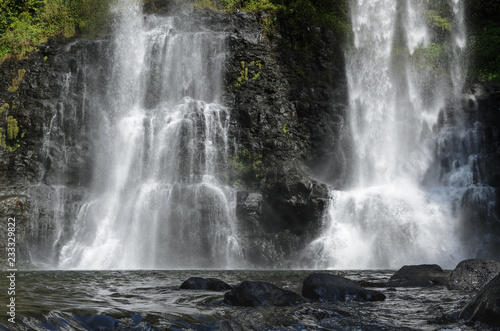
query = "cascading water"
x=155 y=200
x=394 y=211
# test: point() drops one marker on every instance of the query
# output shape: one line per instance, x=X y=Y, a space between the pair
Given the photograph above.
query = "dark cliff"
x=33 y=89
x=289 y=113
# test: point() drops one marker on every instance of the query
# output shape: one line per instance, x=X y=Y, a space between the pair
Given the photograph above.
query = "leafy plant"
x=16 y=81
x=252 y=70
x=436 y=20
x=12 y=128
x=11 y=140
x=245 y=167
x=285 y=130
x=4 y=108
x=27 y=23
x=430 y=58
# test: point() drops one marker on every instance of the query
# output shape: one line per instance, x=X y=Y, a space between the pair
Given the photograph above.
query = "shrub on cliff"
x=27 y=23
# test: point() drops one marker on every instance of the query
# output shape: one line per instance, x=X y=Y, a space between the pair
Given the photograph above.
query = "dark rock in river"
x=485 y=306
x=419 y=276
x=328 y=287
x=252 y=294
x=473 y=274
x=208 y=284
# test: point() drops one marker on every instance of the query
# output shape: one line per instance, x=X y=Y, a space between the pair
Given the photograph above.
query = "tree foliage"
x=26 y=23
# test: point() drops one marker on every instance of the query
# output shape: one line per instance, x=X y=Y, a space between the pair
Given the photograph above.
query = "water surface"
x=151 y=300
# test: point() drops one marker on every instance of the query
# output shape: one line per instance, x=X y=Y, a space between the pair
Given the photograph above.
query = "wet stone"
x=254 y=293
x=473 y=274
x=485 y=306
x=328 y=287
x=208 y=284
x=424 y=275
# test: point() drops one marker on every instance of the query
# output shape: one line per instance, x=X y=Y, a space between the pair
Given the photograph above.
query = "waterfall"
x=159 y=141
x=398 y=209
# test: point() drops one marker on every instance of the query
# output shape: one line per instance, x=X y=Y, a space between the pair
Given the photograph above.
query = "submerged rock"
x=328 y=287
x=485 y=306
x=208 y=284
x=253 y=294
x=423 y=275
x=473 y=274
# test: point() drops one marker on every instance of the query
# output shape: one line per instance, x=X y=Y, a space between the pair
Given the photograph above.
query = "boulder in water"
x=253 y=294
x=473 y=274
x=328 y=287
x=485 y=306
x=208 y=284
x=423 y=275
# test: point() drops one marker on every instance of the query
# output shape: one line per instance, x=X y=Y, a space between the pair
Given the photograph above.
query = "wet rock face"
x=473 y=274
x=328 y=287
x=485 y=307
x=487 y=95
x=31 y=91
x=481 y=204
x=288 y=110
x=253 y=294
x=295 y=203
x=419 y=276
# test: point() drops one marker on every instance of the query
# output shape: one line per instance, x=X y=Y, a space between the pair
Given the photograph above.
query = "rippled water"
x=151 y=300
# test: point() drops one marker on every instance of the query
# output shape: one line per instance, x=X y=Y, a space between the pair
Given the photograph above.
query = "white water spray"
x=387 y=218
x=162 y=139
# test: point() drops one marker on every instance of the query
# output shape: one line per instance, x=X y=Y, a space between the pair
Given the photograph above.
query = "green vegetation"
x=439 y=17
x=27 y=23
x=11 y=140
x=285 y=130
x=290 y=18
x=17 y=81
x=4 y=108
x=483 y=29
x=245 y=167
x=232 y=5
x=248 y=71
x=12 y=128
x=431 y=58
x=435 y=19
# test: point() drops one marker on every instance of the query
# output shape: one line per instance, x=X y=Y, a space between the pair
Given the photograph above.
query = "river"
x=151 y=300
